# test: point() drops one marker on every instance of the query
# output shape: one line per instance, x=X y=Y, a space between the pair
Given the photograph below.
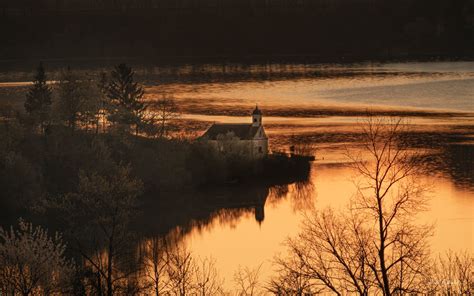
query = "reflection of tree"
x=223 y=206
x=278 y=192
x=302 y=196
x=230 y=216
x=459 y=165
x=300 y=193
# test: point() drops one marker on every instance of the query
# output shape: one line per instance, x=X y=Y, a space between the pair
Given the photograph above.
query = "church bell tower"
x=256 y=117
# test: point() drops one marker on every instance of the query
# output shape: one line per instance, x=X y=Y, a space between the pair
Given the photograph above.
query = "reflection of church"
x=259 y=207
x=260 y=212
x=244 y=200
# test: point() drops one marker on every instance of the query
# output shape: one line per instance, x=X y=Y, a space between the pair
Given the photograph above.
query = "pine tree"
x=125 y=95
x=72 y=98
x=103 y=101
x=38 y=99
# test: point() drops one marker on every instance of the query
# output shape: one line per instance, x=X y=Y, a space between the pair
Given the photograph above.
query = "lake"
x=320 y=104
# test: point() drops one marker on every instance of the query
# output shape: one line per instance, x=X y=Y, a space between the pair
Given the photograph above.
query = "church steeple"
x=256 y=117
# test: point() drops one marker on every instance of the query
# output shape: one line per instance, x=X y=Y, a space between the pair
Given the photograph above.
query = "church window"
x=260 y=150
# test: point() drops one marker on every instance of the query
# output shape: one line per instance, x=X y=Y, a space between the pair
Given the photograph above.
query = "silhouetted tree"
x=166 y=111
x=181 y=271
x=38 y=99
x=207 y=279
x=98 y=215
x=453 y=274
x=291 y=279
x=155 y=263
x=127 y=107
x=374 y=247
x=247 y=281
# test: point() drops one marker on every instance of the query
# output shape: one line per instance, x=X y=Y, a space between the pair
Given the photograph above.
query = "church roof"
x=256 y=111
x=242 y=131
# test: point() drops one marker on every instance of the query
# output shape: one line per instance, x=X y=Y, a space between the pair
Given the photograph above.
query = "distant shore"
x=26 y=62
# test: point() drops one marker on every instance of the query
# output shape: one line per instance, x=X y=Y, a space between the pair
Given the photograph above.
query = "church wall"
x=263 y=143
x=248 y=147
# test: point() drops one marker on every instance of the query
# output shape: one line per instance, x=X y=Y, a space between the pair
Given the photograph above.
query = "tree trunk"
x=383 y=269
x=109 y=268
x=99 y=284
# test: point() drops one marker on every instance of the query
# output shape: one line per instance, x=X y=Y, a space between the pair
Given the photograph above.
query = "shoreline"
x=305 y=58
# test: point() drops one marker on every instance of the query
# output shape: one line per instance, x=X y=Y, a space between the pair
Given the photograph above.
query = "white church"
x=249 y=137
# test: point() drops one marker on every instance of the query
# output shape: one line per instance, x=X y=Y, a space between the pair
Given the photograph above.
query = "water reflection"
x=220 y=207
x=458 y=160
x=307 y=103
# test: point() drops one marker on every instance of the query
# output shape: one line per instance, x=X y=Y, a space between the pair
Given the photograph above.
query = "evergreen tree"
x=72 y=98
x=125 y=95
x=103 y=101
x=38 y=99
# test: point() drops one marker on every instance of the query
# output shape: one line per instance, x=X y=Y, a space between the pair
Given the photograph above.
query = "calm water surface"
x=322 y=108
x=320 y=104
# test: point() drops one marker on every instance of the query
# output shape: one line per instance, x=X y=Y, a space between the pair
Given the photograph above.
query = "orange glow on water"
x=246 y=242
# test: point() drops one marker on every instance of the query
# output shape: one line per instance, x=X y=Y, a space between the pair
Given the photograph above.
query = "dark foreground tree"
x=33 y=263
x=453 y=274
x=98 y=216
x=156 y=254
x=247 y=281
x=127 y=107
x=38 y=99
x=375 y=246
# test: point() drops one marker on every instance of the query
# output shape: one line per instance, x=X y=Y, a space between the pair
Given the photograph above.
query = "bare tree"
x=390 y=195
x=374 y=246
x=454 y=274
x=301 y=148
x=207 y=279
x=330 y=253
x=32 y=262
x=291 y=279
x=247 y=281
x=166 y=111
x=181 y=271
x=156 y=259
